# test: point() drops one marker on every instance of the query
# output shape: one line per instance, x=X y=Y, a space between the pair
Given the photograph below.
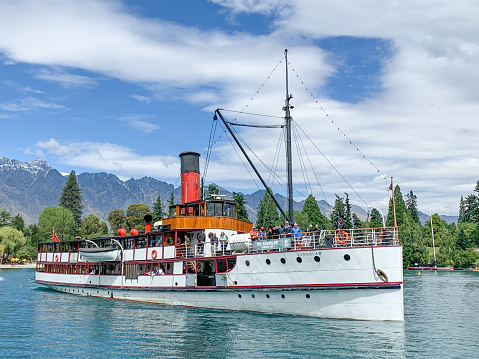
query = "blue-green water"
x=441 y=321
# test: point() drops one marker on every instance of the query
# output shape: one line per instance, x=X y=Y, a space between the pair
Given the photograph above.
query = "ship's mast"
x=289 y=162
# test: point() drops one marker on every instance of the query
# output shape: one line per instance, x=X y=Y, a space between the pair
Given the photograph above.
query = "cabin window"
x=155 y=240
x=231 y=263
x=221 y=265
x=127 y=243
x=230 y=210
x=140 y=242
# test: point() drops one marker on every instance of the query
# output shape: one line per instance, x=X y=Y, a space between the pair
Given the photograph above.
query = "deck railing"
x=359 y=237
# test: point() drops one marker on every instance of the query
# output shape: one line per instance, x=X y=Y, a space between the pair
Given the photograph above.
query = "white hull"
x=331 y=288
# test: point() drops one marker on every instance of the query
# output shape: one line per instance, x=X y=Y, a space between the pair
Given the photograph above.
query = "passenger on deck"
x=223 y=242
x=270 y=233
x=214 y=242
x=261 y=234
x=253 y=234
x=287 y=228
x=296 y=232
x=201 y=241
x=280 y=231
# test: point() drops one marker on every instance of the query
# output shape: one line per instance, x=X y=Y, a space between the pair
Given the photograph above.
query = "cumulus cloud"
x=109 y=157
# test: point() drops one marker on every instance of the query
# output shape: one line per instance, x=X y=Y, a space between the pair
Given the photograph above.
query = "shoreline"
x=17 y=266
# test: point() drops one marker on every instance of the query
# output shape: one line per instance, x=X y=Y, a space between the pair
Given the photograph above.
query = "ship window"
x=247 y=263
x=221 y=265
x=268 y=261
x=140 y=242
x=155 y=240
x=231 y=263
x=317 y=258
x=299 y=259
x=283 y=260
x=267 y=296
x=308 y=296
x=347 y=257
x=282 y=296
x=230 y=210
x=210 y=209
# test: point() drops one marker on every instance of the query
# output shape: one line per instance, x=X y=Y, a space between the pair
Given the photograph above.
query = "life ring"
x=57 y=257
x=198 y=267
x=169 y=240
x=154 y=254
x=382 y=275
x=345 y=236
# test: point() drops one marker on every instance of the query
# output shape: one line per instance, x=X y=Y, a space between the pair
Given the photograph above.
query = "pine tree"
x=411 y=204
x=71 y=199
x=158 y=212
x=376 y=219
x=462 y=211
x=357 y=223
x=117 y=220
x=347 y=207
x=212 y=191
x=241 y=210
x=462 y=241
x=311 y=209
x=339 y=211
x=401 y=210
x=267 y=212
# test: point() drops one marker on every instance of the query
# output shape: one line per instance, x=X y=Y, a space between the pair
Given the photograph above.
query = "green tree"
x=401 y=210
x=93 y=227
x=462 y=240
x=376 y=219
x=311 y=209
x=71 y=199
x=339 y=211
x=11 y=240
x=158 y=212
x=213 y=190
x=32 y=234
x=347 y=216
x=462 y=211
x=117 y=220
x=411 y=204
x=267 y=212
x=18 y=223
x=171 y=201
x=241 y=210
x=5 y=217
x=412 y=238
x=357 y=223
x=58 y=218
x=135 y=214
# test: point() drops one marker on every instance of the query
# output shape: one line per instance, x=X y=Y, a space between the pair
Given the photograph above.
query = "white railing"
x=359 y=237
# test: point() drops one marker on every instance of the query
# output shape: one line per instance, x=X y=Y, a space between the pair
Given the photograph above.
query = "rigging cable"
x=301 y=161
x=339 y=129
x=339 y=173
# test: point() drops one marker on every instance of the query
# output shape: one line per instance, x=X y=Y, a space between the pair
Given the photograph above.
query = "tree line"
x=455 y=244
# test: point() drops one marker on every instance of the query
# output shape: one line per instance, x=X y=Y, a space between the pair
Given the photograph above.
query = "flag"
x=391 y=187
x=54 y=236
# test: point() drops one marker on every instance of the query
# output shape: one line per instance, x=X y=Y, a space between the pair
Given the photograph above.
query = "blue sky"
x=125 y=86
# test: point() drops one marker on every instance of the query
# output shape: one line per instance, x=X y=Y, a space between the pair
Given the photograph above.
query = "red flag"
x=54 y=237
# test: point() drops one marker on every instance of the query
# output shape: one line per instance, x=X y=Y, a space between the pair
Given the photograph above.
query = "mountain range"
x=26 y=188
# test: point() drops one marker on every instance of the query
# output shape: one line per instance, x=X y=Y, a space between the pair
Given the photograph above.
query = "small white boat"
x=100 y=254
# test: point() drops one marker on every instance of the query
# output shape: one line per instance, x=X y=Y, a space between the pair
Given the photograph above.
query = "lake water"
x=441 y=321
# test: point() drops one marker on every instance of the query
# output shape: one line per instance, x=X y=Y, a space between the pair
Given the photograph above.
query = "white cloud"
x=138 y=122
x=64 y=78
x=144 y=99
x=110 y=158
x=28 y=104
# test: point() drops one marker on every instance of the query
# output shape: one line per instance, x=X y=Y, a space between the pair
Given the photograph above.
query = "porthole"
x=347 y=257
x=253 y=296
x=299 y=259
x=283 y=260
x=317 y=258
x=282 y=296
x=176 y=283
x=267 y=296
x=268 y=262
x=239 y=295
x=247 y=263
x=308 y=296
